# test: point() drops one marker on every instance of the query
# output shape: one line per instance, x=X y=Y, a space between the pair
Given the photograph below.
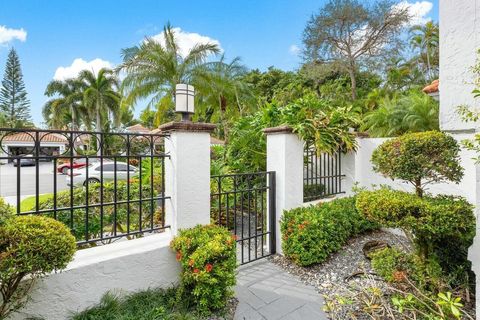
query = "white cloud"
x=294 y=50
x=7 y=34
x=187 y=40
x=78 y=65
x=418 y=11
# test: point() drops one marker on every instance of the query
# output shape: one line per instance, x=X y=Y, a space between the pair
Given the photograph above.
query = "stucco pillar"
x=285 y=157
x=187 y=174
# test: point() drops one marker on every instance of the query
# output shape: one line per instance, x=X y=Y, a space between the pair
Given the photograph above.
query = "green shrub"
x=208 y=258
x=30 y=246
x=443 y=226
x=311 y=234
x=114 y=217
x=6 y=211
x=419 y=158
x=313 y=190
x=396 y=266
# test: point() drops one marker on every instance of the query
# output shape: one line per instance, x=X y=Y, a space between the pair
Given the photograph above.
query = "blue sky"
x=49 y=35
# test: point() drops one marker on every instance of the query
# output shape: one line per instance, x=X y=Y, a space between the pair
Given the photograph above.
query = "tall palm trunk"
x=98 y=126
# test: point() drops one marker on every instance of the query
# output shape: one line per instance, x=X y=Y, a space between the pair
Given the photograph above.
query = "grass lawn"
x=153 y=304
x=28 y=204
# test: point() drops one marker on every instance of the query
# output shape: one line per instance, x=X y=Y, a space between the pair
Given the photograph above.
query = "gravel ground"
x=339 y=275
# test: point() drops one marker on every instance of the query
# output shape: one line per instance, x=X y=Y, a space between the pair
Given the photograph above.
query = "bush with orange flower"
x=208 y=258
x=311 y=234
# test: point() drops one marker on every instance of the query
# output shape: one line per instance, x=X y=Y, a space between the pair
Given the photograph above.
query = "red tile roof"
x=432 y=88
x=30 y=137
x=138 y=128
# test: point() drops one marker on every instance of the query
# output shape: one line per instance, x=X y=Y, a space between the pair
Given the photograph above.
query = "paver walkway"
x=265 y=291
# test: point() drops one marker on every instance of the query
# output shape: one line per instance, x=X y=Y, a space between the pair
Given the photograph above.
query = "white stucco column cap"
x=187 y=126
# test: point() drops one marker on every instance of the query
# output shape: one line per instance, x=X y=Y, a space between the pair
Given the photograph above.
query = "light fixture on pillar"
x=184 y=100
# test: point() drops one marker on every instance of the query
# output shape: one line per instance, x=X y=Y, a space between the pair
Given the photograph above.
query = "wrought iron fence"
x=322 y=174
x=245 y=204
x=103 y=186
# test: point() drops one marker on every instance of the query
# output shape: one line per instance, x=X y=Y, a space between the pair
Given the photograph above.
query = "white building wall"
x=122 y=267
x=358 y=168
x=459 y=41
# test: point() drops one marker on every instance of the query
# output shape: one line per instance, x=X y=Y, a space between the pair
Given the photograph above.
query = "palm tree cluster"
x=91 y=100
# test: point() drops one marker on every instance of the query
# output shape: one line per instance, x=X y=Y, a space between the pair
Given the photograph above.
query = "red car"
x=65 y=167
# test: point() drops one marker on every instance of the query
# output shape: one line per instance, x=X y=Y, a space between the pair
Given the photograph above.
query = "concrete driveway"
x=8 y=181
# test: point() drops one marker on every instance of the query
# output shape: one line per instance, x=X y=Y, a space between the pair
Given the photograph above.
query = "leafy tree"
x=154 y=68
x=66 y=109
x=419 y=159
x=425 y=38
x=13 y=96
x=100 y=97
x=349 y=32
x=147 y=118
x=225 y=97
x=315 y=120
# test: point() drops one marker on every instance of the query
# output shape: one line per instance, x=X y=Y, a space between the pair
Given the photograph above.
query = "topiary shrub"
x=443 y=226
x=30 y=247
x=208 y=258
x=311 y=234
x=419 y=158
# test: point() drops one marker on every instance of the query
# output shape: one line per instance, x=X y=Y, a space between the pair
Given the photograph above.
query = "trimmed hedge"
x=209 y=260
x=442 y=225
x=311 y=234
x=30 y=247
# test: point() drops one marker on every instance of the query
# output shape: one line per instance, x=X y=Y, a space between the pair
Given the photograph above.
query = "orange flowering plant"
x=208 y=258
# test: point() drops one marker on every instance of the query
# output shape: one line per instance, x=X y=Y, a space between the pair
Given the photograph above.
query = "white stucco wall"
x=125 y=266
x=187 y=179
x=285 y=157
x=459 y=42
x=358 y=168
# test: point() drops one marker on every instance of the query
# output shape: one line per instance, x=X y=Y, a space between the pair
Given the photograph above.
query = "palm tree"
x=426 y=39
x=100 y=97
x=154 y=67
x=67 y=107
x=223 y=95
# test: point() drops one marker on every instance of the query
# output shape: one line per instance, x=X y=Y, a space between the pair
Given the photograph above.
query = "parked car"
x=26 y=160
x=77 y=164
x=66 y=167
x=79 y=176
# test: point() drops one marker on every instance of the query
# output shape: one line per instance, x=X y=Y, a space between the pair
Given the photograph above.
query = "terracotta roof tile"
x=432 y=88
x=30 y=137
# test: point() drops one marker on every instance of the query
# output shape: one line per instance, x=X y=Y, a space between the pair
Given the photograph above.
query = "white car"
x=95 y=171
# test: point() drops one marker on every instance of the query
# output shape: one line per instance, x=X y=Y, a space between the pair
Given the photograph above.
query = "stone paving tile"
x=267 y=292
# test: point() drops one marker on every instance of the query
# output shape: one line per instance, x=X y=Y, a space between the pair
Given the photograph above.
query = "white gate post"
x=187 y=174
x=285 y=157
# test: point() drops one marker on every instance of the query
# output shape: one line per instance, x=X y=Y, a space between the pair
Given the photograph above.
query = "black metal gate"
x=245 y=204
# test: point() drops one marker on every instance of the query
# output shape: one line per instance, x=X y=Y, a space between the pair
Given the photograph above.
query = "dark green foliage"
x=209 y=261
x=77 y=225
x=13 y=96
x=311 y=234
x=30 y=247
x=145 y=305
x=313 y=190
x=316 y=121
x=419 y=158
x=442 y=227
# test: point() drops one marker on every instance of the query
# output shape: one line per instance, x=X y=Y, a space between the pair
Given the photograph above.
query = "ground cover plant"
x=208 y=258
x=311 y=234
x=146 y=305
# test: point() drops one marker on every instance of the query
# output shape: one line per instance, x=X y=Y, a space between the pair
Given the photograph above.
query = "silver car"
x=122 y=172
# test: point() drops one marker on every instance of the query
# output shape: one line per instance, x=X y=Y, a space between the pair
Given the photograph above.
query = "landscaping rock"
x=372 y=246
